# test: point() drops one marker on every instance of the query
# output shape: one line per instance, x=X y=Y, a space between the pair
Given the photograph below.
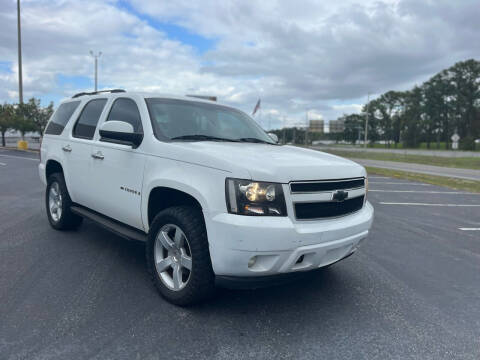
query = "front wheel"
x=178 y=257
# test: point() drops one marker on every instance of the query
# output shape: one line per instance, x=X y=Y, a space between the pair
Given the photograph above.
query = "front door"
x=117 y=170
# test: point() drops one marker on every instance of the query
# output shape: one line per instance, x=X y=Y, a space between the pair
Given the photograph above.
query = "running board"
x=114 y=226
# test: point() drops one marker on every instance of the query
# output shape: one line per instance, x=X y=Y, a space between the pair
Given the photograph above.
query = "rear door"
x=117 y=169
x=82 y=185
x=55 y=144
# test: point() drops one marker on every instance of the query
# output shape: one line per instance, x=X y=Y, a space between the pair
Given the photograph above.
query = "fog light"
x=252 y=261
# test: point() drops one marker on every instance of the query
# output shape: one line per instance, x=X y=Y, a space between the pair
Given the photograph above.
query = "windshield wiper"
x=255 y=140
x=201 y=138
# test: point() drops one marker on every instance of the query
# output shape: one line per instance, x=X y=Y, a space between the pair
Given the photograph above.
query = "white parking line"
x=469 y=229
x=378 y=177
x=426 y=204
x=19 y=157
x=3 y=164
x=423 y=192
x=398 y=183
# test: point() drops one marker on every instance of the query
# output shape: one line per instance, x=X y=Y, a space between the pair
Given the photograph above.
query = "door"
x=117 y=170
x=78 y=149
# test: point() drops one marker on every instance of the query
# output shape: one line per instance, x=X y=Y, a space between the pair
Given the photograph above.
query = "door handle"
x=67 y=148
x=98 y=155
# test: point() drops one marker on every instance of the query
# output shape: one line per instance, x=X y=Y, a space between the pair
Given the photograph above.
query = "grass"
x=453 y=162
x=457 y=184
x=421 y=146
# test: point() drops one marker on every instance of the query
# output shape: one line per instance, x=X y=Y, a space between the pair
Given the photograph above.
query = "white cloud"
x=348 y=108
x=323 y=56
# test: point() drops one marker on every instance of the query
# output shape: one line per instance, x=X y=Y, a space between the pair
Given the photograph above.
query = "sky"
x=323 y=57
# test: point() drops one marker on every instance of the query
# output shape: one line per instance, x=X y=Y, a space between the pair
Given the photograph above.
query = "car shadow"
x=318 y=288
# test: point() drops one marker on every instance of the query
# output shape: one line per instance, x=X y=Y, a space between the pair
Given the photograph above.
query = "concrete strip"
x=438 y=153
x=398 y=183
x=424 y=192
x=427 y=204
x=467 y=174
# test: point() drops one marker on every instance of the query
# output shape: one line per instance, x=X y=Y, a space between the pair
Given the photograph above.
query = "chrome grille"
x=327 y=185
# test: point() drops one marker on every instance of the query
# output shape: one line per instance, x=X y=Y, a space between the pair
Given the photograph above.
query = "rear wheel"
x=178 y=256
x=58 y=202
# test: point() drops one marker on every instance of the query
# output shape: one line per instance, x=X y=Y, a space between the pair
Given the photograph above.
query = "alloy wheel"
x=173 y=257
x=55 y=201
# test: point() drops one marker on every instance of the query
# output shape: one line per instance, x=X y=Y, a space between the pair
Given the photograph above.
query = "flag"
x=256 y=107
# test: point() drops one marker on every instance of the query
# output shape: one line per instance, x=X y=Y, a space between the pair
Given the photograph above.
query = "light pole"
x=366 y=122
x=20 y=75
x=96 y=56
x=306 y=129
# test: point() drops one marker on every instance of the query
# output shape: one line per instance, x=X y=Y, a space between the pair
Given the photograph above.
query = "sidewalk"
x=466 y=174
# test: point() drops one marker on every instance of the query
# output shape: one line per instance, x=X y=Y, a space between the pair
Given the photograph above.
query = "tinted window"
x=124 y=109
x=60 y=118
x=87 y=122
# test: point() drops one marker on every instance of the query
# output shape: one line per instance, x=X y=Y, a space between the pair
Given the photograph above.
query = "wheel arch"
x=161 y=197
x=52 y=166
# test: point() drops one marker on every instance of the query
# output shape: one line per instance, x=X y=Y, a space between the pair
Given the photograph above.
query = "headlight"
x=246 y=197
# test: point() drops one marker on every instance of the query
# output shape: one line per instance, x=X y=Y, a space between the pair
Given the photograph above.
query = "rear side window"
x=60 y=119
x=124 y=109
x=87 y=122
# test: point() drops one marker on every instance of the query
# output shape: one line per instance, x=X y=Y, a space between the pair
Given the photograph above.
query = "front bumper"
x=280 y=245
x=253 y=282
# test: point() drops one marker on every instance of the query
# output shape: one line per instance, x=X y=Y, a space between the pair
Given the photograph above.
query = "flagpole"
x=258 y=108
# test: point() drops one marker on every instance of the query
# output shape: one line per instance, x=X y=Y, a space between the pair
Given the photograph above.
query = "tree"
x=392 y=107
x=374 y=117
x=449 y=101
x=42 y=118
x=7 y=119
x=354 y=126
x=412 y=117
x=465 y=81
x=25 y=113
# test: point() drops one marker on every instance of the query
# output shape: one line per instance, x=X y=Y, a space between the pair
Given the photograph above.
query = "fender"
x=198 y=181
x=53 y=156
x=173 y=185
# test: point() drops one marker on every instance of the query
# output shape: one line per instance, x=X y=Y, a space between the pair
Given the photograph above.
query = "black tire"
x=67 y=219
x=201 y=281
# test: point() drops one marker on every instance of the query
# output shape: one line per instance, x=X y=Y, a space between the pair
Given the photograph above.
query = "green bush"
x=468 y=143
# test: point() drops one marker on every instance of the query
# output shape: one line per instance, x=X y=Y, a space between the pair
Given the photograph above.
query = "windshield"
x=181 y=120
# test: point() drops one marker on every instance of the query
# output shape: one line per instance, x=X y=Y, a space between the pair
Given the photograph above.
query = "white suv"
x=216 y=199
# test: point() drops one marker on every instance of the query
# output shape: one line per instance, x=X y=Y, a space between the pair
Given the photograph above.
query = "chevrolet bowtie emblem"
x=340 y=195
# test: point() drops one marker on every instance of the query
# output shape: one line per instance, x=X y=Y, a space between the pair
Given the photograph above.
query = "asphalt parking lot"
x=411 y=292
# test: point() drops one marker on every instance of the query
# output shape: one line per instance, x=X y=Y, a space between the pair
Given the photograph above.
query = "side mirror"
x=120 y=132
x=274 y=137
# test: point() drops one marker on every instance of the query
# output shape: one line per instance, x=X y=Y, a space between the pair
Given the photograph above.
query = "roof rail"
x=98 y=92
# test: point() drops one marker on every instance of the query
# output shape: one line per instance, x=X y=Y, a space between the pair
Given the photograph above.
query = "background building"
x=336 y=126
x=316 y=126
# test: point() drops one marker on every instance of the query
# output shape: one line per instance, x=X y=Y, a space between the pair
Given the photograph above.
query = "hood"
x=270 y=162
